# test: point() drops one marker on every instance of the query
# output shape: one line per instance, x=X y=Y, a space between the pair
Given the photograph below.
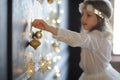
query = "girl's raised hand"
x=40 y=24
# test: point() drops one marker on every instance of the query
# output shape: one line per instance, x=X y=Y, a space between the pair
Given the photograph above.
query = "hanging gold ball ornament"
x=34 y=43
x=30 y=67
x=50 y=1
x=38 y=34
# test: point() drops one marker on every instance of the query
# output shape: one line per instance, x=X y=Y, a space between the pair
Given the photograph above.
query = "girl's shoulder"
x=100 y=37
x=96 y=33
x=99 y=33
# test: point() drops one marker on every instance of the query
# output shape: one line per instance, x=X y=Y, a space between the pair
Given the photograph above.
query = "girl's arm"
x=40 y=24
x=52 y=29
x=73 y=39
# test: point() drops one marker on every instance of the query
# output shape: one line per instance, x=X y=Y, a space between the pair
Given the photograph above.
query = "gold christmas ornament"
x=50 y=1
x=30 y=67
x=38 y=34
x=34 y=43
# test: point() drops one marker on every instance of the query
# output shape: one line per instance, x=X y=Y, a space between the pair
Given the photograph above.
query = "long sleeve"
x=73 y=39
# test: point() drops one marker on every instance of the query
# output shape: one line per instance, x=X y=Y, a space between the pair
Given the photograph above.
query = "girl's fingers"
x=38 y=24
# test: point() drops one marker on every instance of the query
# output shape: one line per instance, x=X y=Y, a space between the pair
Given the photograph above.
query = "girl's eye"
x=88 y=15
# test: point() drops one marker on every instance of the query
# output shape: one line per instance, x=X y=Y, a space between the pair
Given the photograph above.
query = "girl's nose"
x=83 y=18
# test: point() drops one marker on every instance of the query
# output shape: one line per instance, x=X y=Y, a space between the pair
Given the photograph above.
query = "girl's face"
x=88 y=19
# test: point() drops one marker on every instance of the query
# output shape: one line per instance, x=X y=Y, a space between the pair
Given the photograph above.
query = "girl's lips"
x=84 y=24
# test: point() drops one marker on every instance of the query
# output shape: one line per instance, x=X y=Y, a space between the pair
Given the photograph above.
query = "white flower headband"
x=91 y=8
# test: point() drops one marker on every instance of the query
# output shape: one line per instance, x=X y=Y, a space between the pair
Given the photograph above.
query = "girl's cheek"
x=82 y=19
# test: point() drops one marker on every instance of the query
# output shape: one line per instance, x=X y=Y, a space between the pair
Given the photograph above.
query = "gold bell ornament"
x=34 y=43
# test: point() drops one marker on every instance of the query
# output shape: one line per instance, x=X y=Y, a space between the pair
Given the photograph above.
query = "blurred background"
x=47 y=59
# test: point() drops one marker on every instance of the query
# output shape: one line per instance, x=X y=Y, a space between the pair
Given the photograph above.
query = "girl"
x=95 y=40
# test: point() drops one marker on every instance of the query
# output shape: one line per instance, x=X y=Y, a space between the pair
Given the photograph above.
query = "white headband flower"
x=81 y=6
x=92 y=9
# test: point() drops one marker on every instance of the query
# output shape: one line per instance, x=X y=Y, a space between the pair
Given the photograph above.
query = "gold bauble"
x=34 y=43
x=38 y=34
x=50 y=1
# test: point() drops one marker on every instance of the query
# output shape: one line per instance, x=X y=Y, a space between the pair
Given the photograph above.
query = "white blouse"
x=95 y=50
